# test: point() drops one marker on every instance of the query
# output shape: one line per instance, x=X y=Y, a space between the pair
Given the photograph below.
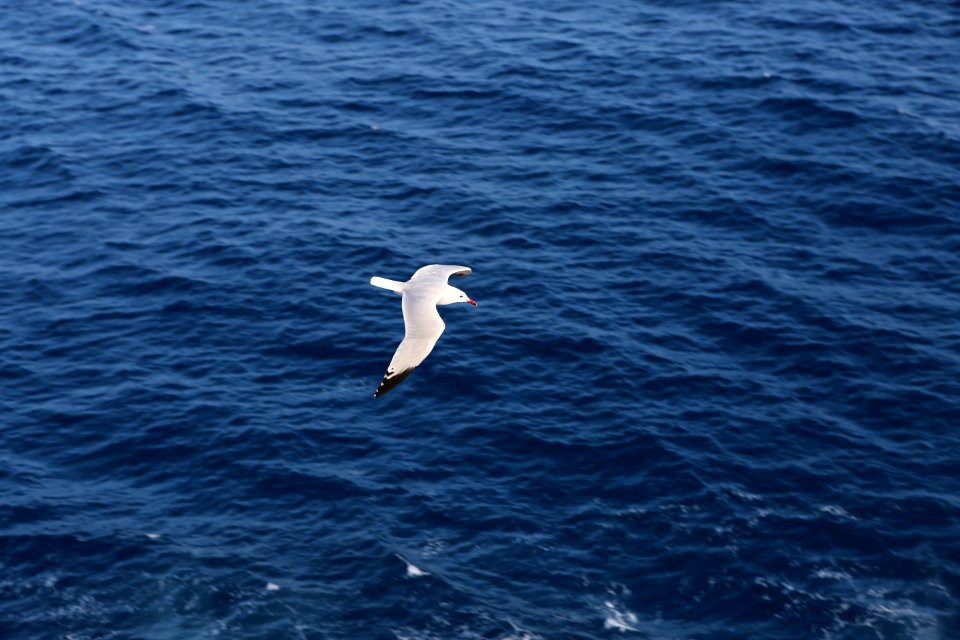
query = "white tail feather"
x=383 y=283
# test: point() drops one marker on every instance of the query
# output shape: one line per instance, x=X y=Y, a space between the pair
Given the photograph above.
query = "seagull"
x=421 y=294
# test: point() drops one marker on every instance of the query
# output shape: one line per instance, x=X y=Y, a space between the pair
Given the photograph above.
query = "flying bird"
x=426 y=289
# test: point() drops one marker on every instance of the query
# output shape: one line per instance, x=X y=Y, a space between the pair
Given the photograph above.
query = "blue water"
x=711 y=389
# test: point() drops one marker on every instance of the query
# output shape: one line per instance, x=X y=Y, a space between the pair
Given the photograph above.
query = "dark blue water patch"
x=810 y=114
x=708 y=391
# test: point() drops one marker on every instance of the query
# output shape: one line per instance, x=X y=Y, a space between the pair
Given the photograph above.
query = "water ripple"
x=709 y=390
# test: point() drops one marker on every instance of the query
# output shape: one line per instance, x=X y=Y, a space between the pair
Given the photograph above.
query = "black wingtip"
x=390 y=381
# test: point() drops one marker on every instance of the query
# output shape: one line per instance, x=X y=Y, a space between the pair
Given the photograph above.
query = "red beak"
x=472 y=302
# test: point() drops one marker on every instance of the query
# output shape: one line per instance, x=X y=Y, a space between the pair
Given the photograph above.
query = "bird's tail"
x=383 y=283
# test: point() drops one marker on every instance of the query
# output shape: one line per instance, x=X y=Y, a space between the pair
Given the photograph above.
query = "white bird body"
x=426 y=289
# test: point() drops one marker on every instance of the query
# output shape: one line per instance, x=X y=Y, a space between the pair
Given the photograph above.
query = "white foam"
x=153 y=536
x=746 y=495
x=832 y=575
x=835 y=510
x=519 y=633
x=413 y=571
x=621 y=619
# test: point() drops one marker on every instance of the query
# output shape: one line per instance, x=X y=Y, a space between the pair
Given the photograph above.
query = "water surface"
x=710 y=390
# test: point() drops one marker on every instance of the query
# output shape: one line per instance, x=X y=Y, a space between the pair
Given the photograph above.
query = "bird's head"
x=453 y=295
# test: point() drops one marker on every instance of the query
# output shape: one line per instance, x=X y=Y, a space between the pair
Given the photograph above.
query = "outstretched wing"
x=423 y=329
x=438 y=273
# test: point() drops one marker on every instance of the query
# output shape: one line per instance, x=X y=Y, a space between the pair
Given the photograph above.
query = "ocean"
x=711 y=389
